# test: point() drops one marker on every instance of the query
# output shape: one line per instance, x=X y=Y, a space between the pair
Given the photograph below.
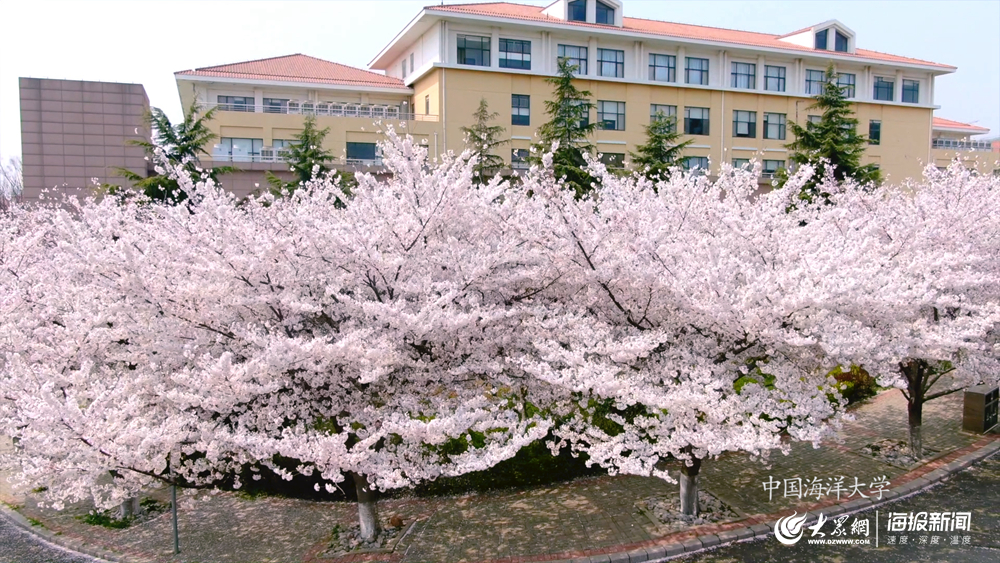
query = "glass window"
x=774 y=78
x=577 y=11
x=241 y=150
x=662 y=111
x=519 y=159
x=575 y=56
x=473 y=50
x=427 y=104
x=520 y=109
x=696 y=71
x=883 y=89
x=611 y=115
x=404 y=68
x=821 y=39
x=586 y=116
x=846 y=82
x=275 y=105
x=911 y=91
x=235 y=103
x=744 y=123
x=611 y=62
x=412 y=68
x=605 y=13
x=874 y=132
x=741 y=162
x=814 y=119
x=840 y=42
x=515 y=54
x=696 y=163
x=814 y=82
x=361 y=151
x=283 y=143
x=662 y=68
x=774 y=126
x=772 y=166
x=696 y=121
x=613 y=159
x=744 y=76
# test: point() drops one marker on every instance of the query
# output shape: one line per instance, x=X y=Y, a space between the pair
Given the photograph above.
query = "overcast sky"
x=145 y=42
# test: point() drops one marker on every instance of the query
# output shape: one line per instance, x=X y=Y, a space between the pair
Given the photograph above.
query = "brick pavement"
x=586 y=517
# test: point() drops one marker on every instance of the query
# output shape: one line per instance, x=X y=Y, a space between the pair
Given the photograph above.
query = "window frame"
x=849 y=88
x=229 y=103
x=701 y=72
x=686 y=163
x=618 y=113
x=519 y=110
x=779 y=79
x=670 y=67
x=811 y=81
x=607 y=10
x=463 y=49
x=580 y=61
x=887 y=87
x=744 y=117
x=766 y=172
x=618 y=63
x=911 y=87
x=571 y=10
x=253 y=155
x=347 y=151
x=522 y=57
x=745 y=73
x=874 y=131
x=270 y=107
x=781 y=125
x=519 y=159
x=704 y=123
x=837 y=36
x=825 y=34
x=670 y=113
x=740 y=162
x=608 y=159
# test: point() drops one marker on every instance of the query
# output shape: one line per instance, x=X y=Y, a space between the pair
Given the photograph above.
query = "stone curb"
x=70 y=544
x=651 y=554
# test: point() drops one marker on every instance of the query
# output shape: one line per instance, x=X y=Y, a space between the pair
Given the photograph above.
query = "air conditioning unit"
x=294 y=107
x=267 y=154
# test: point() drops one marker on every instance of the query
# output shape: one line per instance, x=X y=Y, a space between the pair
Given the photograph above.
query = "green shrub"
x=856 y=384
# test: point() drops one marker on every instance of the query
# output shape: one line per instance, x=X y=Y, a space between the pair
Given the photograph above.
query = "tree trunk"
x=915 y=371
x=129 y=508
x=914 y=410
x=367 y=510
x=689 y=487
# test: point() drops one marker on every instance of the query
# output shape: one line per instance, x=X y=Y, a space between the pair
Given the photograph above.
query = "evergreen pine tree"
x=832 y=141
x=570 y=125
x=482 y=138
x=661 y=151
x=306 y=158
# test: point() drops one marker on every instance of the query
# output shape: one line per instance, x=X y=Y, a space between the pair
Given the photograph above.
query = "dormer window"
x=841 y=43
x=577 y=11
x=821 y=39
x=605 y=13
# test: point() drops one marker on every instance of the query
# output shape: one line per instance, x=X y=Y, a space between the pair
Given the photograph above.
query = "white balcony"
x=961 y=145
x=326 y=109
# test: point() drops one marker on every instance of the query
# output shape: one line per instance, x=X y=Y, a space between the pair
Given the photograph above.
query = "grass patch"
x=34 y=522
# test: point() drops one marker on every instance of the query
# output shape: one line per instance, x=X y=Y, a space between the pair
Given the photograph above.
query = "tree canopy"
x=661 y=151
x=569 y=127
x=481 y=140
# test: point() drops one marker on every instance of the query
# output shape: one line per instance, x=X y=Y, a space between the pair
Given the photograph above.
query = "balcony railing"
x=960 y=145
x=269 y=155
x=294 y=107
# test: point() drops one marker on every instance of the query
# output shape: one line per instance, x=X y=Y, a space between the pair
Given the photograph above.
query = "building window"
x=883 y=89
x=427 y=104
x=519 y=159
x=585 y=121
x=774 y=78
x=611 y=115
x=515 y=54
x=235 y=103
x=772 y=166
x=275 y=105
x=911 y=91
x=846 y=82
x=696 y=121
x=662 y=68
x=744 y=76
x=576 y=56
x=520 y=109
x=696 y=71
x=741 y=162
x=875 y=132
x=696 y=163
x=774 y=126
x=577 y=11
x=821 y=39
x=840 y=42
x=283 y=143
x=613 y=159
x=412 y=68
x=611 y=62
x=473 y=50
x=361 y=151
x=241 y=150
x=605 y=13
x=813 y=119
x=744 y=123
x=814 y=82
x=404 y=68
x=662 y=111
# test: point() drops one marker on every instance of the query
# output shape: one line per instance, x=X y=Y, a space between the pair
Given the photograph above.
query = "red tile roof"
x=941 y=123
x=298 y=68
x=656 y=27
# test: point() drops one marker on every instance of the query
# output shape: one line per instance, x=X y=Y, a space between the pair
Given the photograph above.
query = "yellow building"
x=732 y=92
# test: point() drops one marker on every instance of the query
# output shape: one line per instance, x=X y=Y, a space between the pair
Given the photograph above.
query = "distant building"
x=951 y=139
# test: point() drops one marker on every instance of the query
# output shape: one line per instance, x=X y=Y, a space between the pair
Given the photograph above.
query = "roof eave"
x=377 y=62
x=294 y=84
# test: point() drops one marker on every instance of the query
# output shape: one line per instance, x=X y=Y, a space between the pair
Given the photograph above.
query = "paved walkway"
x=581 y=519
